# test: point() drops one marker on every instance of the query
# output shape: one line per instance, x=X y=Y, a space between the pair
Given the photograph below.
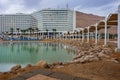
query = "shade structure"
x=112 y=19
x=92 y=28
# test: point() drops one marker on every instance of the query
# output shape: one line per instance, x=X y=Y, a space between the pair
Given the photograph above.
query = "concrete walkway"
x=41 y=74
x=41 y=77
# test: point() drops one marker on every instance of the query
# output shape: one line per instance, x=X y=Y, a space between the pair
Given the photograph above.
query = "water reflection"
x=30 y=53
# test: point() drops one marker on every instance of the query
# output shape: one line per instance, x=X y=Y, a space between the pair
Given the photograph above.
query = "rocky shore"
x=89 y=52
x=86 y=53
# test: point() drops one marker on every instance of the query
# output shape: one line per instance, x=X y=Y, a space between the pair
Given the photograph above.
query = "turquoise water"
x=24 y=53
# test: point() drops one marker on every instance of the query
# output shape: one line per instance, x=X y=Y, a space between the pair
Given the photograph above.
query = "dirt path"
x=102 y=70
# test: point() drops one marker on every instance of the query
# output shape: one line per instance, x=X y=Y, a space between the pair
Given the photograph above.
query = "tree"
x=111 y=36
x=54 y=32
x=11 y=32
x=7 y=33
x=46 y=32
x=30 y=29
x=33 y=30
x=77 y=34
x=22 y=31
x=27 y=31
x=18 y=30
x=37 y=30
x=102 y=35
x=68 y=33
x=115 y=36
x=3 y=33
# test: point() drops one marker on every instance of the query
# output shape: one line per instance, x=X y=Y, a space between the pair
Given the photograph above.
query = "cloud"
x=18 y=9
x=97 y=7
x=53 y=3
x=14 y=6
x=100 y=10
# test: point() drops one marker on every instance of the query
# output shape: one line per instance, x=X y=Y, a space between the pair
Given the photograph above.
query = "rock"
x=102 y=55
x=78 y=56
x=94 y=59
x=90 y=58
x=57 y=63
x=107 y=50
x=114 y=60
x=28 y=65
x=15 y=68
x=5 y=72
x=42 y=64
x=87 y=58
x=59 y=67
x=0 y=72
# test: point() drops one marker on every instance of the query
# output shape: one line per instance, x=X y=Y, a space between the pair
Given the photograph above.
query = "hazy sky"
x=97 y=7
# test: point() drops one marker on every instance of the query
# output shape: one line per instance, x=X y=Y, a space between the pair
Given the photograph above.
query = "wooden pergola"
x=112 y=20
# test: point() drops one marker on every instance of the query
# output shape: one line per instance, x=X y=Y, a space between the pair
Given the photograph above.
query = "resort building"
x=62 y=20
x=21 y=21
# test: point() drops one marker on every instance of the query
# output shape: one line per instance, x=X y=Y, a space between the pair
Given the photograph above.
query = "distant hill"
x=85 y=20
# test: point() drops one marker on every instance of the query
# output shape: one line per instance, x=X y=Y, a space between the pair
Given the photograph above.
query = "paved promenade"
x=41 y=74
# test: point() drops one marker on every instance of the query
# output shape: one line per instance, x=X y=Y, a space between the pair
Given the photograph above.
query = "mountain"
x=85 y=20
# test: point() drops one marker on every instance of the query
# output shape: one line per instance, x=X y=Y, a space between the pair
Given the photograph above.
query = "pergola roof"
x=92 y=28
x=112 y=19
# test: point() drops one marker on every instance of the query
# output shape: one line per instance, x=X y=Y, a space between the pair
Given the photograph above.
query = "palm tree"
x=47 y=32
x=37 y=30
x=3 y=33
x=68 y=33
x=54 y=32
x=33 y=30
x=77 y=34
x=6 y=33
x=23 y=31
x=30 y=29
x=27 y=31
x=18 y=29
x=11 y=32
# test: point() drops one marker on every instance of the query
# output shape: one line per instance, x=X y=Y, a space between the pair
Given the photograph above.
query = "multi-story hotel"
x=21 y=21
x=59 y=19
x=47 y=19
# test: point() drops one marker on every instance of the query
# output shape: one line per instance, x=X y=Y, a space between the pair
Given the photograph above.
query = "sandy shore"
x=103 y=69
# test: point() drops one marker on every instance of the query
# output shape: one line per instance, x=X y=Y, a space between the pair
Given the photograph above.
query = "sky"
x=96 y=7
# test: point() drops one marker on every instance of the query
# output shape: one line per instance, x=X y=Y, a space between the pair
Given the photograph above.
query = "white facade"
x=21 y=21
x=59 y=19
x=62 y=20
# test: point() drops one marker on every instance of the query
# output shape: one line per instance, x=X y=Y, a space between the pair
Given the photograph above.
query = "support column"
x=82 y=36
x=88 y=36
x=105 y=38
x=108 y=36
x=98 y=36
x=118 y=39
x=96 y=32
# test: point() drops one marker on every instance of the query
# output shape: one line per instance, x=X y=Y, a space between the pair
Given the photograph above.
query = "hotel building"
x=21 y=21
x=60 y=19
x=63 y=20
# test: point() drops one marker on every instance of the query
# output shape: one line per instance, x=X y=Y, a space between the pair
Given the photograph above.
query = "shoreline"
x=59 y=66
x=28 y=41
